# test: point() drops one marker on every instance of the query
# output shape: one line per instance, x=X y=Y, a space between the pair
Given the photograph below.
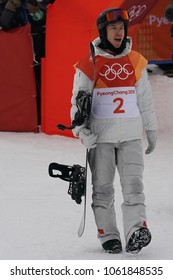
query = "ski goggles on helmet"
x=116 y=15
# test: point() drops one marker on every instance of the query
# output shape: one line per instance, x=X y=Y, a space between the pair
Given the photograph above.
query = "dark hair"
x=169 y=12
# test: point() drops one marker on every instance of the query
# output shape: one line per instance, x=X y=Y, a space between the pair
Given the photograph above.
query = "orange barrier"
x=70 y=26
x=17 y=81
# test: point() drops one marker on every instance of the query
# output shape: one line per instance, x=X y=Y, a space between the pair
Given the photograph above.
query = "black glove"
x=32 y=6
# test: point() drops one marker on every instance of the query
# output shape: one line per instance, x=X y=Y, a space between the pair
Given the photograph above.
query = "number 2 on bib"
x=119 y=104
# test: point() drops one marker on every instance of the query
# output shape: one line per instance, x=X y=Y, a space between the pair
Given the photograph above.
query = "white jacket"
x=115 y=130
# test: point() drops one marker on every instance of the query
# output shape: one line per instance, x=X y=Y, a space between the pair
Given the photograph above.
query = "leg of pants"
x=130 y=166
x=102 y=165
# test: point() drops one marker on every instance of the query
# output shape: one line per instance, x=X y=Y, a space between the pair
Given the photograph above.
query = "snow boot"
x=139 y=239
x=112 y=246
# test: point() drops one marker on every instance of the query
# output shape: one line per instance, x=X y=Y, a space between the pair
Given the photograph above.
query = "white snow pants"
x=128 y=157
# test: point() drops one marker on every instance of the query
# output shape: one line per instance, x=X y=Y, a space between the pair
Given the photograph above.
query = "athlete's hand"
x=87 y=138
x=151 y=137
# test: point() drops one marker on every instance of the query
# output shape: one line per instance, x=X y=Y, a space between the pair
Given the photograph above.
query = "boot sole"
x=140 y=241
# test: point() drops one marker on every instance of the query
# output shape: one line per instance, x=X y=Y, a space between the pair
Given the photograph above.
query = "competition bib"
x=114 y=102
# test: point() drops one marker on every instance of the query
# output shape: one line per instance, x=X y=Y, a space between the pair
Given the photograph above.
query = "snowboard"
x=76 y=175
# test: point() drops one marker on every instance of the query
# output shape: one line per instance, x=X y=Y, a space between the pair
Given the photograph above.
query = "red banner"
x=17 y=80
x=149 y=28
x=138 y=10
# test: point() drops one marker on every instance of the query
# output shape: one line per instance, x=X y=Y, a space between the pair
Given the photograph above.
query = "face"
x=115 y=33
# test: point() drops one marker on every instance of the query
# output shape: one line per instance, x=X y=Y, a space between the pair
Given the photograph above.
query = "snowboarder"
x=121 y=109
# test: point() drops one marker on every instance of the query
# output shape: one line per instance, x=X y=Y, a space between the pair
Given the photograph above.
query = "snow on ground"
x=39 y=220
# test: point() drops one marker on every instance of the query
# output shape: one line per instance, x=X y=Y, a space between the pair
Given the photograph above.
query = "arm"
x=82 y=82
x=147 y=111
x=145 y=102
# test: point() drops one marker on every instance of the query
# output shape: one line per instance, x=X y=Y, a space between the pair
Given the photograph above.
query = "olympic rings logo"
x=116 y=70
x=136 y=11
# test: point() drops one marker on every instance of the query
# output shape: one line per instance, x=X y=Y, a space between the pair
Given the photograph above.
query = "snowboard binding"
x=75 y=175
x=83 y=103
